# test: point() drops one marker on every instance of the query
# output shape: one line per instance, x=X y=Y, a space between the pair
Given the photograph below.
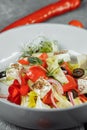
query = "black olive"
x=78 y=72
x=63 y=68
x=85 y=95
x=2 y=74
x=75 y=94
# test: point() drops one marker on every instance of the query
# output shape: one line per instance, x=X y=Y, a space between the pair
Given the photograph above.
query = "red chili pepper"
x=76 y=23
x=51 y=10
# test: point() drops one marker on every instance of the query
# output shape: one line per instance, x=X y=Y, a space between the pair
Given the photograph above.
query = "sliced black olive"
x=2 y=74
x=85 y=94
x=63 y=68
x=78 y=72
x=75 y=94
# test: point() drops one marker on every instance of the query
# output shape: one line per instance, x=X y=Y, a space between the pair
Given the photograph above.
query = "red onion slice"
x=70 y=94
x=53 y=101
x=57 y=85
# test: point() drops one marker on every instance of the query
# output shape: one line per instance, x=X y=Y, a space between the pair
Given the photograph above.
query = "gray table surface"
x=11 y=10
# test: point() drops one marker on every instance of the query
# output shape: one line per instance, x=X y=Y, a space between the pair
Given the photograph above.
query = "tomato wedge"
x=23 y=61
x=72 y=84
x=49 y=99
x=36 y=72
x=83 y=98
x=43 y=57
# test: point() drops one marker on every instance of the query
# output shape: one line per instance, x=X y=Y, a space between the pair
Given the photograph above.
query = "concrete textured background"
x=11 y=10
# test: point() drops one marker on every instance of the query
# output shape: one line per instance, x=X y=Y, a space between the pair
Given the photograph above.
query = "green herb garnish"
x=35 y=60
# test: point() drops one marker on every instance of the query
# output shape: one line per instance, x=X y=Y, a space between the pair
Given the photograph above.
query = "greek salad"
x=46 y=77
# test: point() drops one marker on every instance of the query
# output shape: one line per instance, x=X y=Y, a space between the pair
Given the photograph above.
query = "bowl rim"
x=43 y=24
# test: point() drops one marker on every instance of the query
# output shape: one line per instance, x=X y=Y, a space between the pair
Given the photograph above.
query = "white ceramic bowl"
x=10 y=43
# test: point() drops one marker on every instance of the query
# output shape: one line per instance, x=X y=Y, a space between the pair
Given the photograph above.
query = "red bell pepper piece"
x=16 y=83
x=16 y=90
x=16 y=100
x=14 y=94
x=24 y=90
x=24 y=79
x=13 y=91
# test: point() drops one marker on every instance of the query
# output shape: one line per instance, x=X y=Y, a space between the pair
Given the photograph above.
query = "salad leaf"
x=63 y=102
x=77 y=101
x=41 y=105
x=29 y=100
x=27 y=51
x=82 y=61
x=54 y=70
x=41 y=47
x=24 y=101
